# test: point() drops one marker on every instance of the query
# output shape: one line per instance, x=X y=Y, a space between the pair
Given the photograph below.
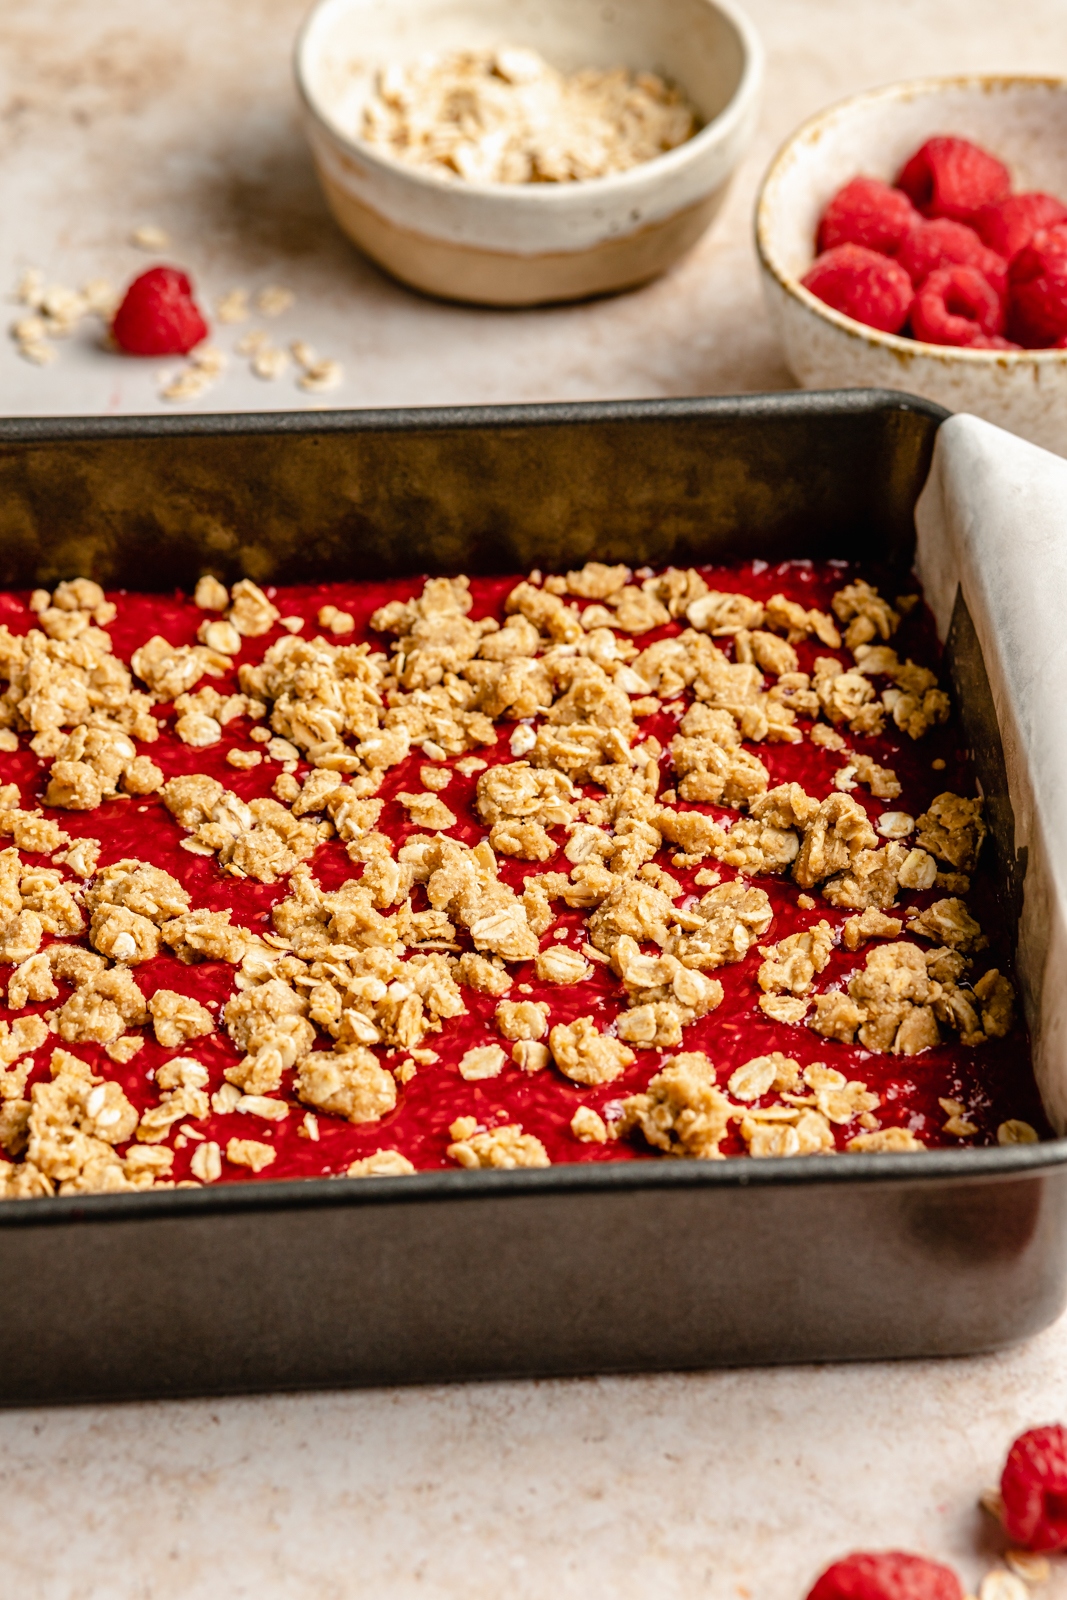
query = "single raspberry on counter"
x=953 y=178
x=1037 y=290
x=886 y=1575
x=862 y=284
x=1011 y=223
x=942 y=243
x=158 y=315
x=869 y=213
x=1034 y=1489
x=954 y=306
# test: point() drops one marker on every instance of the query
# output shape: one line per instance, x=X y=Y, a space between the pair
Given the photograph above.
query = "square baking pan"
x=575 y=1269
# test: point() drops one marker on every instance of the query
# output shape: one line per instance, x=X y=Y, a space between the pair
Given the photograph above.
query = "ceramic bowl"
x=1023 y=121
x=524 y=244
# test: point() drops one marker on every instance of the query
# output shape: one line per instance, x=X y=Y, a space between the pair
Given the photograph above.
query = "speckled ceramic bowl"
x=1021 y=120
x=524 y=244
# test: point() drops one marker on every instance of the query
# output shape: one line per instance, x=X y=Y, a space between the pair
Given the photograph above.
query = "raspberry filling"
x=372 y=878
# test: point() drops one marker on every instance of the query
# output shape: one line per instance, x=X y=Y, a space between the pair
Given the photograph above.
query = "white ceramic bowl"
x=521 y=244
x=1023 y=120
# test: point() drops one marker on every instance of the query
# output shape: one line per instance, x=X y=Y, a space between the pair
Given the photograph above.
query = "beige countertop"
x=735 y=1486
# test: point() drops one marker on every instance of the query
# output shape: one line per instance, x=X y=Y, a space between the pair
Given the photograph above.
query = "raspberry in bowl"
x=955 y=184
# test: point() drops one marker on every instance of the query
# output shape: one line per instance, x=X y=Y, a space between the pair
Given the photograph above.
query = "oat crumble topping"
x=471 y=845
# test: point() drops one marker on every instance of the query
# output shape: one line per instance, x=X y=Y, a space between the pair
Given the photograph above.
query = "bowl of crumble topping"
x=523 y=155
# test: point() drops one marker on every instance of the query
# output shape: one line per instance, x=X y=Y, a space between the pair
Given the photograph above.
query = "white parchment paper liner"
x=992 y=521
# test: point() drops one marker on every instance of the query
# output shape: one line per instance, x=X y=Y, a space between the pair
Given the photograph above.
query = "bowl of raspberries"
x=915 y=237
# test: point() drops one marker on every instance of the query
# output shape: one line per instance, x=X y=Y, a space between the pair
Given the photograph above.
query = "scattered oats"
x=309 y=1127
x=1016 y=1132
x=435 y=777
x=470 y=765
x=1028 y=1565
x=210 y=594
x=895 y=825
x=29 y=330
x=291 y=624
x=30 y=290
x=784 y=1007
x=938 y=765
x=225 y=1099
x=281 y=749
x=992 y=1501
x=208 y=358
x=261 y=1105
x=589 y=1126
x=189 y=384
x=303 y=354
x=261 y=735
x=244 y=759
x=382 y=1164
x=337 y=621
x=529 y=1055
x=804 y=901
x=233 y=307
x=1001 y=1585
x=321 y=377
x=124 y=1049
x=522 y=740
x=101 y=298
x=269 y=362
x=249 y=1153
x=405 y=1071
x=9 y=740
x=483 y=1061
x=960 y=1128
x=219 y=635
x=207 y=1162
x=596 y=955
x=250 y=342
x=273 y=300
x=707 y=878
x=41 y=355
x=149 y=237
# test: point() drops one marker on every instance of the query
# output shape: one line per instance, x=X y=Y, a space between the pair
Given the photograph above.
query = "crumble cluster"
x=381 y=964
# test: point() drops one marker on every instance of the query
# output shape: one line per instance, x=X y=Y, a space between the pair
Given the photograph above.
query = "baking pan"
x=592 y=1268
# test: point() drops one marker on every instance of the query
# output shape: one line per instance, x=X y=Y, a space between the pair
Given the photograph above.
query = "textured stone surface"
x=129 y=111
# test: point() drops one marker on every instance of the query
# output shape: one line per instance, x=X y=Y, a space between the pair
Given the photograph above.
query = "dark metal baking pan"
x=574 y=1269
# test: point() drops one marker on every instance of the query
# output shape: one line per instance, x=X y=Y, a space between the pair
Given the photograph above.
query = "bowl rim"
x=901 y=89
x=714 y=133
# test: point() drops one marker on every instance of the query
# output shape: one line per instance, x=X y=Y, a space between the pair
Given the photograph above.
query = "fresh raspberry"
x=862 y=284
x=954 y=305
x=886 y=1575
x=992 y=341
x=1034 y=1489
x=950 y=244
x=1011 y=223
x=953 y=178
x=869 y=213
x=1037 y=290
x=158 y=315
